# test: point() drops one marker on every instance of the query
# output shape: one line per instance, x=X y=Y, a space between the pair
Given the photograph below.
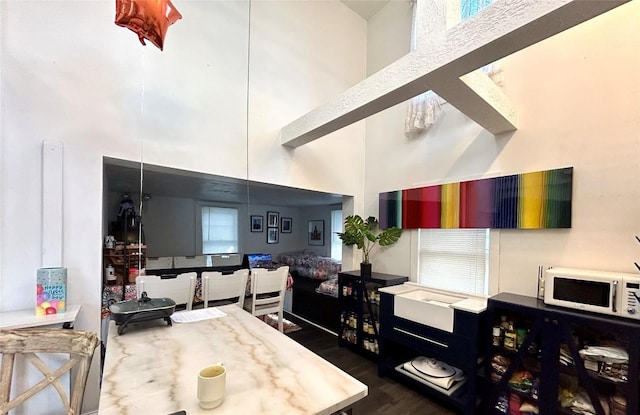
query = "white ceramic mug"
x=211 y=385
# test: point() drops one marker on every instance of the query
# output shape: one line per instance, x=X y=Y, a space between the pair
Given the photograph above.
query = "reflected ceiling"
x=124 y=177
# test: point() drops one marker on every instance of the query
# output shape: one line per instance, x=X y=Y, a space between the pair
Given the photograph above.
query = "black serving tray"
x=142 y=309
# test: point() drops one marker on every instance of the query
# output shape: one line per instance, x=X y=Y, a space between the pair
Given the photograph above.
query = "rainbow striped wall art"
x=538 y=200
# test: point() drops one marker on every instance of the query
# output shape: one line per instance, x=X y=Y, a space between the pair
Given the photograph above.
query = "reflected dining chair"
x=32 y=345
x=218 y=287
x=180 y=288
x=268 y=290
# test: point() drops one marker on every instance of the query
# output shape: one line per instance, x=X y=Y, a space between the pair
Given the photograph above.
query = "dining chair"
x=180 y=288
x=268 y=290
x=219 y=287
x=33 y=345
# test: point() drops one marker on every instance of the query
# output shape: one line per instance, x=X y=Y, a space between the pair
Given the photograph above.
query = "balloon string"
x=142 y=85
x=247 y=103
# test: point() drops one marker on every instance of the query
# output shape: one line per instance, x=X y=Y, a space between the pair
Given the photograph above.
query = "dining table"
x=152 y=368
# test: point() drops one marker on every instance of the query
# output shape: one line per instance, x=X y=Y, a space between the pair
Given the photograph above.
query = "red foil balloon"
x=149 y=19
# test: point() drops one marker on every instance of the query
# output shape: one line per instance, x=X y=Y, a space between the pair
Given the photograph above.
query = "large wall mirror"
x=166 y=207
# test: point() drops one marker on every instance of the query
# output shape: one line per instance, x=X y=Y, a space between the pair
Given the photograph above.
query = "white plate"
x=432 y=367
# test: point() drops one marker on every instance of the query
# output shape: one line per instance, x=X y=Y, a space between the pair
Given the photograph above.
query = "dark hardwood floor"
x=386 y=396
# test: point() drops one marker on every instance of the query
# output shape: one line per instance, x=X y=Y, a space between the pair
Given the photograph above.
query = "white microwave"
x=613 y=293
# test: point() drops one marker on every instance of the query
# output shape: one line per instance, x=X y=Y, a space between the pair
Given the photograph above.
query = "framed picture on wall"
x=272 y=235
x=285 y=225
x=272 y=219
x=256 y=223
x=316 y=232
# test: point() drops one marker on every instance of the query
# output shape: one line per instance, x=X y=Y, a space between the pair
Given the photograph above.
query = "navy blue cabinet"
x=359 y=302
x=402 y=340
x=561 y=359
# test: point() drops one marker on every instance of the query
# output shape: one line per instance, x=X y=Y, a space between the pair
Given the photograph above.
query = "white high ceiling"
x=365 y=8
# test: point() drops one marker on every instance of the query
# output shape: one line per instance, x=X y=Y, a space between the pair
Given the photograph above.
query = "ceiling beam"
x=479 y=98
x=501 y=29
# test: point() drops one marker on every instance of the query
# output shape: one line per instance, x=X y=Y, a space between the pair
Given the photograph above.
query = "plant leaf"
x=370 y=236
x=372 y=223
x=389 y=236
x=348 y=239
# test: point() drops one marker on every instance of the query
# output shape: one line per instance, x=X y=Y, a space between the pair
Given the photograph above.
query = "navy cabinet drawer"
x=429 y=341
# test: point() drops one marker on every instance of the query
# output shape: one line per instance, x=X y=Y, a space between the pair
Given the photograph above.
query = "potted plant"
x=366 y=235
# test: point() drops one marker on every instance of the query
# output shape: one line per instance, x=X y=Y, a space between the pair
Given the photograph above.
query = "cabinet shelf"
x=522 y=394
x=359 y=311
x=555 y=329
x=123 y=259
x=573 y=371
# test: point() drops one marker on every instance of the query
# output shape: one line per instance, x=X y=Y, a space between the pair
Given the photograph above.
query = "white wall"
x=69 y=73
x=295 y=45
x=578 y=101
x=388 y=35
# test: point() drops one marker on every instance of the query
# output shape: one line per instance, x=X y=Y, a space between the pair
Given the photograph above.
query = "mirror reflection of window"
x=219 y=230
x=336 y=226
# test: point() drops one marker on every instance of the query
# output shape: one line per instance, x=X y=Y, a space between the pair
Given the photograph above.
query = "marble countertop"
x=152 y=369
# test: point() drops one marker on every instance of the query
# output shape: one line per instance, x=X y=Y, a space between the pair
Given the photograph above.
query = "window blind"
x=219 y=230
x=454 y=259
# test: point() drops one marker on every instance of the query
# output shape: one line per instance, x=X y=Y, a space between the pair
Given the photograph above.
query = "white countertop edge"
x=27 y=318
x=471 y=304
x=398 y=289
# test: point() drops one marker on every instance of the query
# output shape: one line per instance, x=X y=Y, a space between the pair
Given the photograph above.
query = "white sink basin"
x=427 y=307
